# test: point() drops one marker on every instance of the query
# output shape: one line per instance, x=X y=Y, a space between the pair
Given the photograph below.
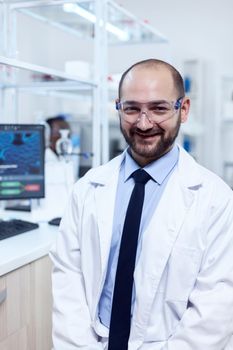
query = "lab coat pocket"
x=171 y=299
x=182 y=270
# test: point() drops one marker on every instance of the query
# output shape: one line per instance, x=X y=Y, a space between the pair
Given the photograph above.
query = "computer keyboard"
x=13 y=227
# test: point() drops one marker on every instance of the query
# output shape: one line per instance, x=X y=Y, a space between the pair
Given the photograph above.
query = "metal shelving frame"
x=99 y=86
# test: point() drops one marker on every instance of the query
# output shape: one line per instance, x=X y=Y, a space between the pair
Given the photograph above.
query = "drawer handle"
x=3 y=294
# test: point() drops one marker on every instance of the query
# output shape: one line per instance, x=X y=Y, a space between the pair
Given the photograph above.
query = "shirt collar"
x=158 y=170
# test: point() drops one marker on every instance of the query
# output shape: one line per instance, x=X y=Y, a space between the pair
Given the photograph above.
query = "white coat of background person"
x=183 y=278
x=59 y=172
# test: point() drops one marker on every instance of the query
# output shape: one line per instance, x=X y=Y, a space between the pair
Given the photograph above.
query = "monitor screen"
x=21 y=161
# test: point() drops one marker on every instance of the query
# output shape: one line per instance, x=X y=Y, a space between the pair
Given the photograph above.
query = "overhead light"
x=79 y=11
x=74 y=8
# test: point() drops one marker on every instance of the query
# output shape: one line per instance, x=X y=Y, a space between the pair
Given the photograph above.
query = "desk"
x=26 y=247
x=25 y=270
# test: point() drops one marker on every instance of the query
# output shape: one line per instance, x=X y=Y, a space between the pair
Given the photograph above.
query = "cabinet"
x=26 y=310
x=94 y=26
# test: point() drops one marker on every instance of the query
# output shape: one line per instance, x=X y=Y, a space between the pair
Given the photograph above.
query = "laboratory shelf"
x=39 y=76
x=79 y=18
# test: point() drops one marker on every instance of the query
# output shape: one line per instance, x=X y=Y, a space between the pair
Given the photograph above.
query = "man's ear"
x=185 y=109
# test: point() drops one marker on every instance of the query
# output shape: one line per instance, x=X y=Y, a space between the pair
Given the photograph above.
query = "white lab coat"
x=59 y=179
x=184 y=275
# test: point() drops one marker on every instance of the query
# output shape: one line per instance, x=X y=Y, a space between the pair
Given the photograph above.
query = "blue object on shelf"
x=75 y=139
x=187 y=143
x=187 y=84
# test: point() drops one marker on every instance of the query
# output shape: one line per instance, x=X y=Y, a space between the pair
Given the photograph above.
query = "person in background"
x=60 y=174
x=154 y=276
x=56 y=124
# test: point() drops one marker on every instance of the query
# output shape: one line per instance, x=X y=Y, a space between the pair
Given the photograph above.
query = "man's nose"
x=144 y=121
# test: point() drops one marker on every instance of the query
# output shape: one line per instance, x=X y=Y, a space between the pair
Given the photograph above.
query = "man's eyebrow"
x=152 y=101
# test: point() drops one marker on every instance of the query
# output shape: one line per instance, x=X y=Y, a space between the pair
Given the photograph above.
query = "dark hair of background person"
x=58 y=118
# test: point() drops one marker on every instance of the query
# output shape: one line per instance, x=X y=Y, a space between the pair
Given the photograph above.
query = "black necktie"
x=121 y=305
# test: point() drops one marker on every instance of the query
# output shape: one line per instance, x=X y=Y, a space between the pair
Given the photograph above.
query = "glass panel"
x=131 y=29
x=79 y=18
x=69 y=16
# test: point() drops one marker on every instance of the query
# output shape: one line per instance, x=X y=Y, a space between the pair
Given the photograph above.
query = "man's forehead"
x=149 y=74
x=149 y=78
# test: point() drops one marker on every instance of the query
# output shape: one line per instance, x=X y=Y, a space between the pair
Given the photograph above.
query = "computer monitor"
x=22 y=161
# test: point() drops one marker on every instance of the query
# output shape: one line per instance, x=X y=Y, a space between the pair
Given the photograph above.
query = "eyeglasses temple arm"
x=118 y=105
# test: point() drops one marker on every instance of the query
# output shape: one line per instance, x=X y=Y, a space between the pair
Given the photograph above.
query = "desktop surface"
x=24 y=248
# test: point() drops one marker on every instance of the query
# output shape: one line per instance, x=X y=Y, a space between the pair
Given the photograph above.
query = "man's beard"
x=156 y=150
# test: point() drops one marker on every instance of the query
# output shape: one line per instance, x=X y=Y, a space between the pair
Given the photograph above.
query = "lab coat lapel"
x=105 y=194
x=105 y=200
x=165 y=225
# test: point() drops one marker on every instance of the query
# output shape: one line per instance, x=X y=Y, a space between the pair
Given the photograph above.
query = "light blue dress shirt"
x=159 y=170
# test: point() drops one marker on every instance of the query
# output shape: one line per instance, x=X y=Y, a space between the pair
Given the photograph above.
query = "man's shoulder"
x=195 y=174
